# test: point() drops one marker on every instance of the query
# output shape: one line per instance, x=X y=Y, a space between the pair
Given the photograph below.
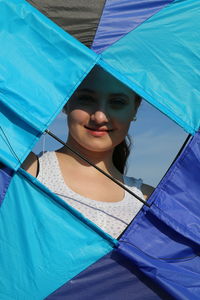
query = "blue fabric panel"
x=164 y=241
x=44 y=242
x=40 y=67
x=121 y=16
x=160 y=60
x=16 y=137
x=112 y=277
x=5 y=178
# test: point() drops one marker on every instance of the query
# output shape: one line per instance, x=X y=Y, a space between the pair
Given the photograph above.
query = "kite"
x=48 y=250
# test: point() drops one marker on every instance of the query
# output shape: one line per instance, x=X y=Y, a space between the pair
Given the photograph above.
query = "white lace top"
x=112 y=217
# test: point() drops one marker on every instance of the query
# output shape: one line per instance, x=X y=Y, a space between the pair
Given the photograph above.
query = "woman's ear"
x=138 y=100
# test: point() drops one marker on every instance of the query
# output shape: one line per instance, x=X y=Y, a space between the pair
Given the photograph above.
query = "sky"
x=155 y=142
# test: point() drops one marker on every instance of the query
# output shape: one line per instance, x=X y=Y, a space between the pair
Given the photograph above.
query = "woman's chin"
x=97 y=146
x=92 y=143
x=98 y=149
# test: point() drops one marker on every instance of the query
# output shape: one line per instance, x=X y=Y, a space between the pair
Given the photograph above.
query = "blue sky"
x=156 y=141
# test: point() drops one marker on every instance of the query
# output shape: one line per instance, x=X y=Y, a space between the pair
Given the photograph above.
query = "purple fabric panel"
x=112 y=277
x=5 y=178
x=163 y=240
x=121 y=16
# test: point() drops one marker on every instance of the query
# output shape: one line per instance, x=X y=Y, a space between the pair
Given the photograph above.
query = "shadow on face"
x=101 y=88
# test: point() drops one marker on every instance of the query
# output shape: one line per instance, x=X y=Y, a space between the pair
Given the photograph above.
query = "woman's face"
x=100 y=112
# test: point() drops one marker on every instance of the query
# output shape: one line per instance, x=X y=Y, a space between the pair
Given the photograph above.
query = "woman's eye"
x=118 y=102
x=85 y=99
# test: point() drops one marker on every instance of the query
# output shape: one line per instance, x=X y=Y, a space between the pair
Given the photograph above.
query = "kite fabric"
x=78 y=18
x=44 y=242
x=48 y=249
x=145 y=41
x=121 y=16
x=48 y=64
x=5 y=179
x=164 y=241
x=111 y=277
x=98 y=24
x=161 y=61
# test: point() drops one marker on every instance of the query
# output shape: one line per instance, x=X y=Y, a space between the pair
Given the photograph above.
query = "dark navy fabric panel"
x=121 y=16
x=164 y=241
x=112 y=277
x=80 y=18
x=5 y=179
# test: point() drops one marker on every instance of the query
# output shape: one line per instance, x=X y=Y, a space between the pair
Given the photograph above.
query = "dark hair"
x=122 y=151
x=120 y=155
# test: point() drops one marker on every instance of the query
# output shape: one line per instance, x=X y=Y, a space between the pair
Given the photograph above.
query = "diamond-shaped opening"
x=155 y=142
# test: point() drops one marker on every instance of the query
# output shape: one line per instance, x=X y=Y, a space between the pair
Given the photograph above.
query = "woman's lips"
x=97 y=131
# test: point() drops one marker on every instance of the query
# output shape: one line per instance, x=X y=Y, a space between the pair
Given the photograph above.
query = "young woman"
x=99 y=115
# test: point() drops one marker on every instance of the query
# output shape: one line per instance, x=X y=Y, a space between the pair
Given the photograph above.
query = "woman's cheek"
x=125 y=115
x=77 y=116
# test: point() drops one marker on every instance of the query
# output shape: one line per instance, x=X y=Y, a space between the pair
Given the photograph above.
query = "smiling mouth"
x=98 y=129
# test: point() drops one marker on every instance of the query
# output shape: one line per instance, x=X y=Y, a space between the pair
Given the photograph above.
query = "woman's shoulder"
x=146 y=189
x=133 y=182
x=31 y=164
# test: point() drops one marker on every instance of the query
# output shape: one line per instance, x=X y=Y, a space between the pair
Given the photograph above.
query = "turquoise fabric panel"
x=40 y=67
x=160 y=59
x=16 y=138
x=44 y=242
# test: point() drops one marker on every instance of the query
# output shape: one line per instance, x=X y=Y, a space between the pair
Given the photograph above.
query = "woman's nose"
x=99 y=116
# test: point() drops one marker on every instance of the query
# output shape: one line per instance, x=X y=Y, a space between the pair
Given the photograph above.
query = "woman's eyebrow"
x=119 y=95
x=86 y=90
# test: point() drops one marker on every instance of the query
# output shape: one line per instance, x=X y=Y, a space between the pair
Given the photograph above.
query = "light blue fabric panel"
x=160 y=59
x=40 y=67
x=44 y=242
x=16 y=138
